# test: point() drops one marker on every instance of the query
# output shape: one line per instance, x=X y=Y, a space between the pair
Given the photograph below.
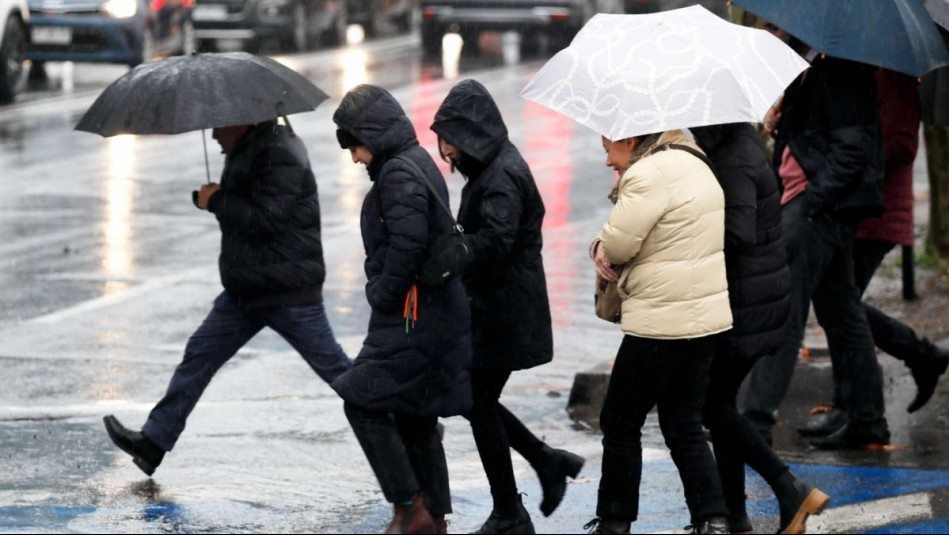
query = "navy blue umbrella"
x=896 y=34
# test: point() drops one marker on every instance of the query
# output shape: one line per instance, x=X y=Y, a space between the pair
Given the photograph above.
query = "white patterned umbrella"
x=629 y=75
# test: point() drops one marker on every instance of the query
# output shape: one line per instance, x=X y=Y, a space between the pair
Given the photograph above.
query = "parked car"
x=108 y=31
x=13 y=40
x=294 y=25
x=368 y=13
x=559 y=20
x=640 y=7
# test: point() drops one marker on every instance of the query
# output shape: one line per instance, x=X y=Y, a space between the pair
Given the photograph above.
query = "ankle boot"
x=411 y=518
x=926 y=370
x=740 y=524
x=714 y=525
x=797 y=501
x=552 y=471
x=441 y=525
x=145 y=454
x=517 y=523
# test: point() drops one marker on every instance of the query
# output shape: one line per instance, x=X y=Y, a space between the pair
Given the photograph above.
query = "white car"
x=13 y=39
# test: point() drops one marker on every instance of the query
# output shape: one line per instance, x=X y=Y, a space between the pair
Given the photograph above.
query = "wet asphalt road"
x=106 y=268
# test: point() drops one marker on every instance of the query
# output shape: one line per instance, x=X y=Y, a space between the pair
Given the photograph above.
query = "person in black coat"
x=759 y=294
x=502 y=214
x=272 y=269
x=415 y=361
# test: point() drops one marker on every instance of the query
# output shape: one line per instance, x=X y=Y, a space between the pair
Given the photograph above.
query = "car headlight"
x=121 y=9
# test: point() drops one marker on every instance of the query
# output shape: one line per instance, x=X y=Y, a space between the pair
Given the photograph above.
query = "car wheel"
x=297 y=39
x=432 y=36
x=12 y=56
x=337 y=32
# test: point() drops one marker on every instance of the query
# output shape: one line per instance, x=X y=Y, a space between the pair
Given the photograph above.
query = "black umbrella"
x=200 y=91
x=197 y=92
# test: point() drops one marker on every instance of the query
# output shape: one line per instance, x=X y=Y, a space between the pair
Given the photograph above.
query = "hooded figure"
x=502 y=214
x=414 y=364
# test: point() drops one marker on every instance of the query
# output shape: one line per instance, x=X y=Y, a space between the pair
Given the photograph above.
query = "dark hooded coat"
x=422 y=369
x=755 y=256
x=269 y=213
x=502 y=214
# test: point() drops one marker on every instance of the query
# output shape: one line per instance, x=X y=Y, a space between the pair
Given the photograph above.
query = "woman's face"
x=619 y=153
x=449 y=151
x=361 y=155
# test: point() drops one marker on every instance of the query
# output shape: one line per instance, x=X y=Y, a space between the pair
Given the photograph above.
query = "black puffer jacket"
x=269 y=212
x=755 y=257
x=502 y=214
x=425 y=369
x=831 y=121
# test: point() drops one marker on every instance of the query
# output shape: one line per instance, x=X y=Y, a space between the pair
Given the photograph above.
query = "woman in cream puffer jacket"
x=664 y=243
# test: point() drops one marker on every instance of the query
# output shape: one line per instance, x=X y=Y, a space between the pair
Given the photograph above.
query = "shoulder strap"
x=431 y=188
x=690 y=150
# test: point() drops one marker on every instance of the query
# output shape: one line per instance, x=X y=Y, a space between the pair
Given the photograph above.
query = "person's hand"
x=604 y=268
x=204 y=196
x=771 y=119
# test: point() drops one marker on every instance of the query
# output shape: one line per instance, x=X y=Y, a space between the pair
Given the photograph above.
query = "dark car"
x=293 y=25
x=640 y=7
x=559 y=20
x=109 y=31
x=368 y=13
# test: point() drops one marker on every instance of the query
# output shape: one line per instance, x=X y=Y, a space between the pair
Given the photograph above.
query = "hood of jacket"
x=373 y=116
x=470 y=120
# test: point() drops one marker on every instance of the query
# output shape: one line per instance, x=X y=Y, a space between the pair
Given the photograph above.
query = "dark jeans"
x=821 y=262
x=227 y=328
x=735 y=441
x=406 y=454
x=672 y=374
x=892 y=336
x=496 y=431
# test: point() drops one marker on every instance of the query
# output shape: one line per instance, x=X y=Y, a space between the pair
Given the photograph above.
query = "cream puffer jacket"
x=667 y=232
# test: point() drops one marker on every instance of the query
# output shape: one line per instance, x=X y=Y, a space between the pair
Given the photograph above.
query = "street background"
x=106 y=268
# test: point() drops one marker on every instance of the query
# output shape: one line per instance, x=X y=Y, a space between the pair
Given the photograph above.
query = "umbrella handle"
x=207 y=166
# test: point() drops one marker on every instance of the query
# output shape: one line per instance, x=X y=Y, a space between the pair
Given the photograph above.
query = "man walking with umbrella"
x=272 y=268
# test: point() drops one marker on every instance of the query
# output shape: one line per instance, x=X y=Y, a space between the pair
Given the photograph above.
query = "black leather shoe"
x=854 y=436
x=716 y=525
x=600 y=525
x=553 y=472
x=926 y=372
x=823 y=423
x=145 y=454
x=520 y=523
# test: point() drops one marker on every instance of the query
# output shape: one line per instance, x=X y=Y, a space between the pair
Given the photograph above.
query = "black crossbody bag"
x=449 y=255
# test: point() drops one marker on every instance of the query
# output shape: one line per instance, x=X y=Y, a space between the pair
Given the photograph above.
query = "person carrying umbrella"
x=502 y=214
x=415 y=362
x=272 y=269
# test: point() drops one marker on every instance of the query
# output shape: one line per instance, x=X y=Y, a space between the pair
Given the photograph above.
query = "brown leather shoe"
x=412 y=518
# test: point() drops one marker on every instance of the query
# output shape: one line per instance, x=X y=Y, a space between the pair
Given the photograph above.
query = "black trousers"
x=821 y=262
x=673 y=375
x=496 y=431
x=406 y=454
x=735 y=440
x=892 y=336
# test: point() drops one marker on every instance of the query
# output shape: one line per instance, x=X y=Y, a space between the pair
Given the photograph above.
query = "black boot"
x=797 y=501
x=519 y=522
x=926 y=370
x=712 y=525
x=822 y=424
x=145 y=454
x=554 y=469
x=740 y=524
x=603 y=525
x=854 y=436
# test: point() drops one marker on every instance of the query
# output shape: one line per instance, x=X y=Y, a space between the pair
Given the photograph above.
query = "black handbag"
x=449 y=255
